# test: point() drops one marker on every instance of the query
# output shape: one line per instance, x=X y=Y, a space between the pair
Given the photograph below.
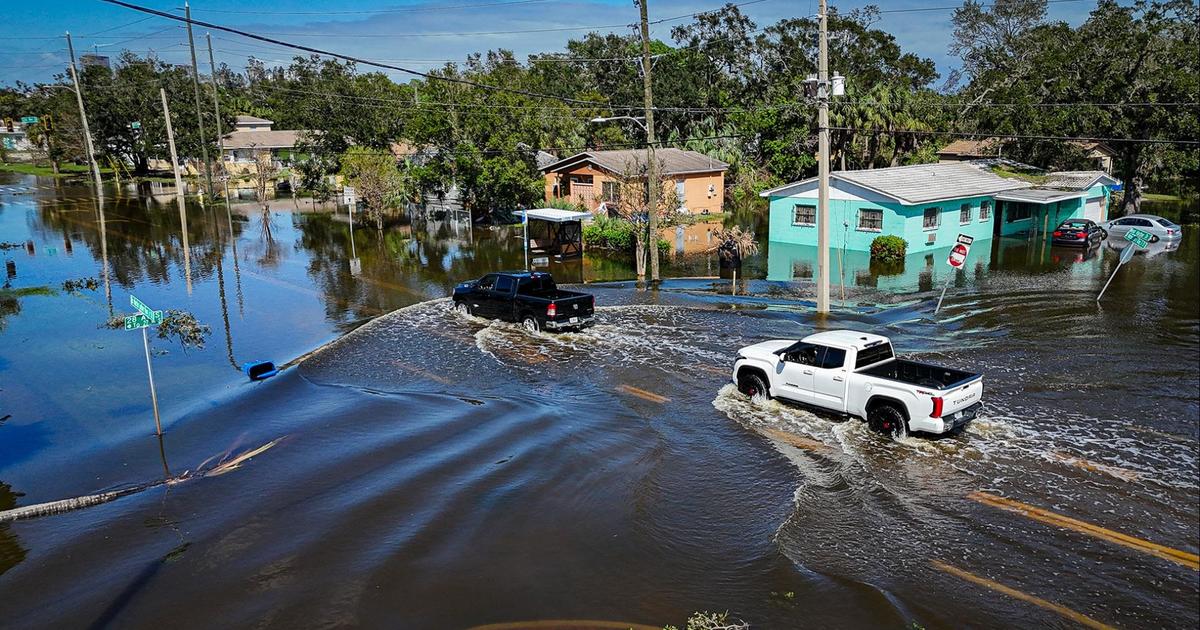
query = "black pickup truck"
x=530 y=298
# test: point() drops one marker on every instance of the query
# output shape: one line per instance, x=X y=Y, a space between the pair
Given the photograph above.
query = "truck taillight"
x=552 y=310
x=937 y=407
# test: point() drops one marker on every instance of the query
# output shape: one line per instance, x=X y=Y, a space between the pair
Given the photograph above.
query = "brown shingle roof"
x=674 y=161
x=986 y=147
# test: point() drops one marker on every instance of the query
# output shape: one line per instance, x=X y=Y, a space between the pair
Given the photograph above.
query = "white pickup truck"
x=858 y=374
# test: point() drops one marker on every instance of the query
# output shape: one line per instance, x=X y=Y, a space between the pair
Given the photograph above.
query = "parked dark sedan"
x=1078 y=232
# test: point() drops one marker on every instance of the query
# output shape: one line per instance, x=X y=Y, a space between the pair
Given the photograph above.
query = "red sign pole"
x=956 y=260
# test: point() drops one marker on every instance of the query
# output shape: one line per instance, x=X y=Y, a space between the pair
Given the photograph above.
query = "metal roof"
x=253 y=120
x=922 y=183
x=1079 y=180
x=674 y=161
x=1040 y=195
x=553 y=215
x=262 y=139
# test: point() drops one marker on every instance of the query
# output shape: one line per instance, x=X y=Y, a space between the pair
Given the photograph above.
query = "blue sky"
x=411 y=33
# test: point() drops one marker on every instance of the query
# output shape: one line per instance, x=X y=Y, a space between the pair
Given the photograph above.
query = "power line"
x=1018 y=136
x=956 y=7
x=318 y=51
x=375 y=11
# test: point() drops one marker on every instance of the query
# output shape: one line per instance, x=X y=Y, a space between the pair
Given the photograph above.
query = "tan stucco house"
x=252 y=135
x=593 y=177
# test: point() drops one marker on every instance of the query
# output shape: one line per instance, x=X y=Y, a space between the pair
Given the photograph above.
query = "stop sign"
x=958 y=255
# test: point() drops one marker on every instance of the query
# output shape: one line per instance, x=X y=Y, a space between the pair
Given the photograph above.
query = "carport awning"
x=554 y=215
x=1040 y=195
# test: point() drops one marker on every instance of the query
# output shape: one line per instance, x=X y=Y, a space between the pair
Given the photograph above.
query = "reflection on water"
x=447 y=471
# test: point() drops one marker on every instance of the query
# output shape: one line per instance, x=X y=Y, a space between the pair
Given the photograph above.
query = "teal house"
x=929 y=205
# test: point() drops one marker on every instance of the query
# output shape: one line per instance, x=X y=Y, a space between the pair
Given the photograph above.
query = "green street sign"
x=141 y=306
x=29 y=120
x=134 y=322
x=1138 y=237
x=135 y=125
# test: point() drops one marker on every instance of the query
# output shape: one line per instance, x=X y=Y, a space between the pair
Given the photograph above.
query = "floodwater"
x=426 y=470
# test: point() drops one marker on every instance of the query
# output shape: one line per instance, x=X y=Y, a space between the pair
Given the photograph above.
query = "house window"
x=870 y=220
x=964 y=214
x=610 y=191
x=680 y=191
x=985 y=211
x=1018 y=212
x=804 y=215
x=932 y=218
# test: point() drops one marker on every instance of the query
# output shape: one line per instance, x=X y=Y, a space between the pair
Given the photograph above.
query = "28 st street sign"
x=146 y=317
x=1139 y=237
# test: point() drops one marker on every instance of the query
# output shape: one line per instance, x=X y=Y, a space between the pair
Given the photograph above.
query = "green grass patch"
x=1025 y=177
x=64 y=170
x=1161 y=197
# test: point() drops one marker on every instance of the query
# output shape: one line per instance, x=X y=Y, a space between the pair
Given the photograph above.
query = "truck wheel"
x=462 y=309
x=531 y=324
x=752 y=385
x=887 y=419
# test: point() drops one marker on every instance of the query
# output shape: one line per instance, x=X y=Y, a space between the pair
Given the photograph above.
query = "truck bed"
x=920 y=374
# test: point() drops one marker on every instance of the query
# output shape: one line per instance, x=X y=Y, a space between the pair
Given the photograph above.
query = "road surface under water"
x=433 y=470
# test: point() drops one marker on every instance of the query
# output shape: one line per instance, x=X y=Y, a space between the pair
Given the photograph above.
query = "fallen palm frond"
x=233 y=464
x=78 y=503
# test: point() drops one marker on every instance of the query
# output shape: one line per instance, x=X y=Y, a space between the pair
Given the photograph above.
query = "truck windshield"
x=536 y=285
x=873 y=355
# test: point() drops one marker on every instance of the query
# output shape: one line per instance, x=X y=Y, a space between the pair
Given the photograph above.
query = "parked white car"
x=858 y=374
x=1162 y=229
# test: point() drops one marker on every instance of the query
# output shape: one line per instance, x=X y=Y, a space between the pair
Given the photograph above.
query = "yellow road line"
x=713 y=369
x=1077 y=617
x=566 y=624
x=1190 y=560
x=422 y=372
x=643 y=394
x=795 y=440
x=1090 y=466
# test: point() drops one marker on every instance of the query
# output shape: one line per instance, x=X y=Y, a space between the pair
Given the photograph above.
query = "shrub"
x=607 y=233
x=888 y=248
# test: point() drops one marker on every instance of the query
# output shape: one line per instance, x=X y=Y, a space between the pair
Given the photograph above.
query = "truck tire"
x=462 y=309
x=888 y=419
x=530 y=323
x=752 y=385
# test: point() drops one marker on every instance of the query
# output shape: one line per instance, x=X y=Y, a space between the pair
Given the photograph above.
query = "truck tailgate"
x=961 y=396
x=577 y=305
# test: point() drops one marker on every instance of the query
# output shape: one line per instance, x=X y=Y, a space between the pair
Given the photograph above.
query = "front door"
x=501 y=300
x=482 y=300
x=797 y=370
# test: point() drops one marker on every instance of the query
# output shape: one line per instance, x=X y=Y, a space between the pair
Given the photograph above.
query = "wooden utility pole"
x=187 y=252
x=187 y=13
x=212 y=65
x=653 y=185
x=87 y=134
x=823 y=218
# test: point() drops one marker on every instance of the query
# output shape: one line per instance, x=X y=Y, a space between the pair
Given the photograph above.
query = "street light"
x=640 y=120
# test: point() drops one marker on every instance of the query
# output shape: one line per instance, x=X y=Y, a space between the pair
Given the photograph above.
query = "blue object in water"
x=259 y=370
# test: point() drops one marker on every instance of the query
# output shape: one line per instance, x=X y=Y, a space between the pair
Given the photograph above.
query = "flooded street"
x=424 y=469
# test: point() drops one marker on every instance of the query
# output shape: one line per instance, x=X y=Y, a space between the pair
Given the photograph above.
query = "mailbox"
x=259 y=370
